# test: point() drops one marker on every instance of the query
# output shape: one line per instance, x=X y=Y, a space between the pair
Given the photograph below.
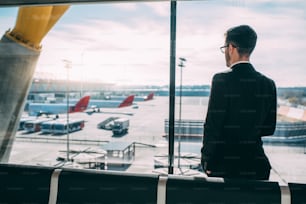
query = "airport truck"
x=121 y=126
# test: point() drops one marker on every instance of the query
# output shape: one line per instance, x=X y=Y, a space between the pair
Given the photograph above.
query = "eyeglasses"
x=223 y=48
x=226 y=46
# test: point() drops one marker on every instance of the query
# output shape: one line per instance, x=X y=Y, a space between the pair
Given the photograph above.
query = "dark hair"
x=243 y=37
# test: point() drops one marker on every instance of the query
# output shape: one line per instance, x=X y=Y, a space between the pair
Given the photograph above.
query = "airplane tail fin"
x=150 y=96
x=127 y=102
x=82 y=104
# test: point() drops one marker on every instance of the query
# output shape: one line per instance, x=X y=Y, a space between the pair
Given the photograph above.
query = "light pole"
x=67 y=66
x=181 y=65
x=82 y=77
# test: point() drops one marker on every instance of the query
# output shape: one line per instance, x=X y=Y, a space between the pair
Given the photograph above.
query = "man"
x=242 y=109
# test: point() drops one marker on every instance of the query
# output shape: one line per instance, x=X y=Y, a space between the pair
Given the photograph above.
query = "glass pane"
x=280 y=49
x=110 y=52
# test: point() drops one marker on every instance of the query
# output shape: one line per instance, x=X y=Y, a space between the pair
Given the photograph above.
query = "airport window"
x=118 y=54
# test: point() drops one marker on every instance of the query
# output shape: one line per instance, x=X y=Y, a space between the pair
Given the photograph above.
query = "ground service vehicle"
x=23 y=120
x=47 y=127
x=73 y=125
x=121 y=126
x=35 y=125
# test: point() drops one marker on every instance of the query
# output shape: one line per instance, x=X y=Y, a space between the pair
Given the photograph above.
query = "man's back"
x=251 y=103
x=242 y=108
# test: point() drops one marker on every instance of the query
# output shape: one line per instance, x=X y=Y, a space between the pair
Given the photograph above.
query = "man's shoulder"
x=222 y=75
x=266 y=78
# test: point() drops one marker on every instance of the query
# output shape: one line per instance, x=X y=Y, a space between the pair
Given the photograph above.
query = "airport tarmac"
x=147 y=133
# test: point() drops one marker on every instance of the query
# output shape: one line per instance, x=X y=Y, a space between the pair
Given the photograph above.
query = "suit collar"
x=243 y=67
x=239 y=62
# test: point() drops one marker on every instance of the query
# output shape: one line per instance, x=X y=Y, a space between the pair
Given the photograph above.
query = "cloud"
x=162 y=9
x=126 y=6
x=119 y=52
x=279 y=44
x=136 y=49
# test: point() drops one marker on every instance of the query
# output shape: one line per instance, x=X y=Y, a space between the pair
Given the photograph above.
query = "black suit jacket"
x=242 y=108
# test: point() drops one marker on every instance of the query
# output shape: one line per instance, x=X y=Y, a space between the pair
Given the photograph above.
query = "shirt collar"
x=239 y=62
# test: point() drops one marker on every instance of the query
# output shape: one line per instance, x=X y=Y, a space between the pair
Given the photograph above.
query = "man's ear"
x=230 y=48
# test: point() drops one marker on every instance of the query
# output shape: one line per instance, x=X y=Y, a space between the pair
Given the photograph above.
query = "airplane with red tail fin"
x=37 y=109
x=148 y=97
x=96 y=105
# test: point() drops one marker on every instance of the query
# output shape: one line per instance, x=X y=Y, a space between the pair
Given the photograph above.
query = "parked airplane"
x=96 y=105
x=136 y=98
x=145 y=98
x=38 y=109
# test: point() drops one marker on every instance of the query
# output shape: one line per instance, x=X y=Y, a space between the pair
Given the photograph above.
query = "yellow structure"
x=19 y=52
x=33 y=24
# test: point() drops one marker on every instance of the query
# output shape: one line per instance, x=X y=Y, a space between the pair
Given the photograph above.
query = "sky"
x=129 y=43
